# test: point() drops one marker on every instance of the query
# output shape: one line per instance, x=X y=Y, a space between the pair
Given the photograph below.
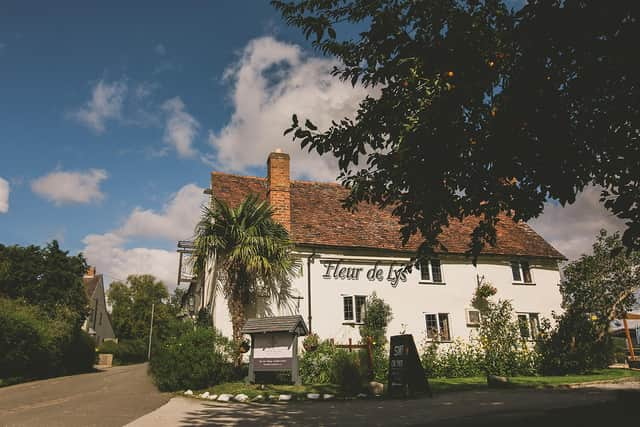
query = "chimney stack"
x=278 y=187
x=91 y=271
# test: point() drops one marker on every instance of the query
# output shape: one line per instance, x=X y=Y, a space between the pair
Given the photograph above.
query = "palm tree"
x=252 y=256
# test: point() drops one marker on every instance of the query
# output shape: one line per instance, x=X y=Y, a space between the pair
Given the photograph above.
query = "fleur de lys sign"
x=344 y=270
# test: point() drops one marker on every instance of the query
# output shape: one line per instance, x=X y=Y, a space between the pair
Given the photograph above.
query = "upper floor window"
x=354 y=307
x=431 y=271
x=521 y=272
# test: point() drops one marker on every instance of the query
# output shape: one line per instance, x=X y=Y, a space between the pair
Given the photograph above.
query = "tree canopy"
x=477 y=109
x=131 y=307
x=47 y=277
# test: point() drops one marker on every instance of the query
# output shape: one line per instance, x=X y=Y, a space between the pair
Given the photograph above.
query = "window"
x=438 y=328
x=529 y=324
x=354 y=307
x=431 y=271
x=521 y=272
x=473 y=318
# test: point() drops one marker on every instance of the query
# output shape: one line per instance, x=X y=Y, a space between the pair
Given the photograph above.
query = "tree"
x=252 y=253
x=131 y=308
x=376 y=319
x=597 y=289
x=47 y=277
x=603 y=285
x=478 y=109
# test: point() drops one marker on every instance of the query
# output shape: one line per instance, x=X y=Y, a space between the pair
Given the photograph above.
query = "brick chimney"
x=91 y=271
x=278 y=187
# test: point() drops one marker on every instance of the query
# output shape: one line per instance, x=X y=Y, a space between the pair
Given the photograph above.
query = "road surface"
x=495 y=408
x=112 y=397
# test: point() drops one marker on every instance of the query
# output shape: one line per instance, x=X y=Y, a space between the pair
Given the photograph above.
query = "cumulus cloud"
x=4 y=195
x=271 y=81
x=573 y=229
x=176 y=220
x=112 y=254
x=181 y=127
x=62 y=187
x=107 y=99
x=108 y=253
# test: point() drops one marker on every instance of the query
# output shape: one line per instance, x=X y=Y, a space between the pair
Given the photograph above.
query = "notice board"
x=406 y=374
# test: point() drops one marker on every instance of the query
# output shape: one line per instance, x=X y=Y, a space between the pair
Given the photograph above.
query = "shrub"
x=315 y=366
x=24 y=343
x=194 y=360
x=35 y=346
x=80 y=354
x=347 y=372
x=376 y=319
x=459 y=359
x=126 y=352
x=573 y=346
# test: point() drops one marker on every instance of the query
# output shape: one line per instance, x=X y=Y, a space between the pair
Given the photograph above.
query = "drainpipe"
x=309 y=259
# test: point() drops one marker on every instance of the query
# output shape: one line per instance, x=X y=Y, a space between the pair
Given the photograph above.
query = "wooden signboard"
x=406 y=374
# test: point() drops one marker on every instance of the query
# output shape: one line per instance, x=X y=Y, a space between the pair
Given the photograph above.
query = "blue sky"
x=113 y=114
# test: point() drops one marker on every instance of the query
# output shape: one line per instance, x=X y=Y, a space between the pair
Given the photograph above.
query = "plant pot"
x=634 y=363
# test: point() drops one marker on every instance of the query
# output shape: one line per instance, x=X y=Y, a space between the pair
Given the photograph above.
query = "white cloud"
x=181 y=127
x=63 y=187
x=5 y=189
x=160 y=49
x=108 y=254
x=175 y=221
x=106 y=104
x=271 y=81
x=573 y=229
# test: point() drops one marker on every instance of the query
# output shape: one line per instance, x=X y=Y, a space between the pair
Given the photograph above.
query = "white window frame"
x=521 y=272
x=468 y=318
x=353 y=321
x=439 y=326
x=531 y=336
x=430 y=269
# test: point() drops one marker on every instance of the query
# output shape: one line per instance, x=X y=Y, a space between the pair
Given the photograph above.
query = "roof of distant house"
x=318 y=219
x=90 y=283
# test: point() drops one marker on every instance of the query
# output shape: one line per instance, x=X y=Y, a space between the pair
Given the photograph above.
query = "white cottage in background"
x=346 y=256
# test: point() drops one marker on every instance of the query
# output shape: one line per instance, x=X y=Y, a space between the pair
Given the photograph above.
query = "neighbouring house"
x=98 y=323
x=346 y=256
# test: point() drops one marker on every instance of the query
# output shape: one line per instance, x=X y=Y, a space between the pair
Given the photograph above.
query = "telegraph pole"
x=150 y=332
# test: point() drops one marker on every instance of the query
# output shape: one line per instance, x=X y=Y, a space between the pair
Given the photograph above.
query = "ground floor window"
x=473 y=318
x=354 y=307
x=438 y=326
x=529 y=324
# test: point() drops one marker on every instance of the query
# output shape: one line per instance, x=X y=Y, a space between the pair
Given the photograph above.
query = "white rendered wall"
x=411 y=300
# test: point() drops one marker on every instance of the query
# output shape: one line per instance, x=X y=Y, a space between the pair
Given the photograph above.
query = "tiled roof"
x=276 y=324
x=317 y=218
x=90 y=284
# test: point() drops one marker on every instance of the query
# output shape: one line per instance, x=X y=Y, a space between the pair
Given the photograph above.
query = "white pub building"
x=346 y=256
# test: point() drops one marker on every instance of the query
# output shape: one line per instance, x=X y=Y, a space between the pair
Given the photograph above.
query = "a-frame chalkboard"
x=406 y=374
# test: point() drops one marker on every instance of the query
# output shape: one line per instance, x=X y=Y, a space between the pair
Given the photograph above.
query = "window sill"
x=424 y=282
x=439 y=341
x=523 y=284
x=473 y=325
x=352 y=323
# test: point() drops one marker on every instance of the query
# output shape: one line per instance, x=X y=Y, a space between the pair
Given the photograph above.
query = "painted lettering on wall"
x=393 y=273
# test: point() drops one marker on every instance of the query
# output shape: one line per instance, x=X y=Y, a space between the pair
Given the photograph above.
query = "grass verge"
x=438 y=385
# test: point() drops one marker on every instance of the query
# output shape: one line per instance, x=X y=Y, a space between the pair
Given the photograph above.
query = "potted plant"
x=245 y=345
x=311 y=342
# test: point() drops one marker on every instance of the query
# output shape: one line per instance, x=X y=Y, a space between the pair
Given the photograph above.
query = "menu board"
x=406 y=374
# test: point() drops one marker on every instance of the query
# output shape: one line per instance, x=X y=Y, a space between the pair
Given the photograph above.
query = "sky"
x=113 y=114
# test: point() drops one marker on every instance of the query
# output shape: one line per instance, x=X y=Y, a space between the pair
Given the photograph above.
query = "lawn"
x=438 y=385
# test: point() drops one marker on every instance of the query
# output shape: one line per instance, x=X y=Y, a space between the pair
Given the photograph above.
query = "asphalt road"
x=112 y=397
x=495 y=408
